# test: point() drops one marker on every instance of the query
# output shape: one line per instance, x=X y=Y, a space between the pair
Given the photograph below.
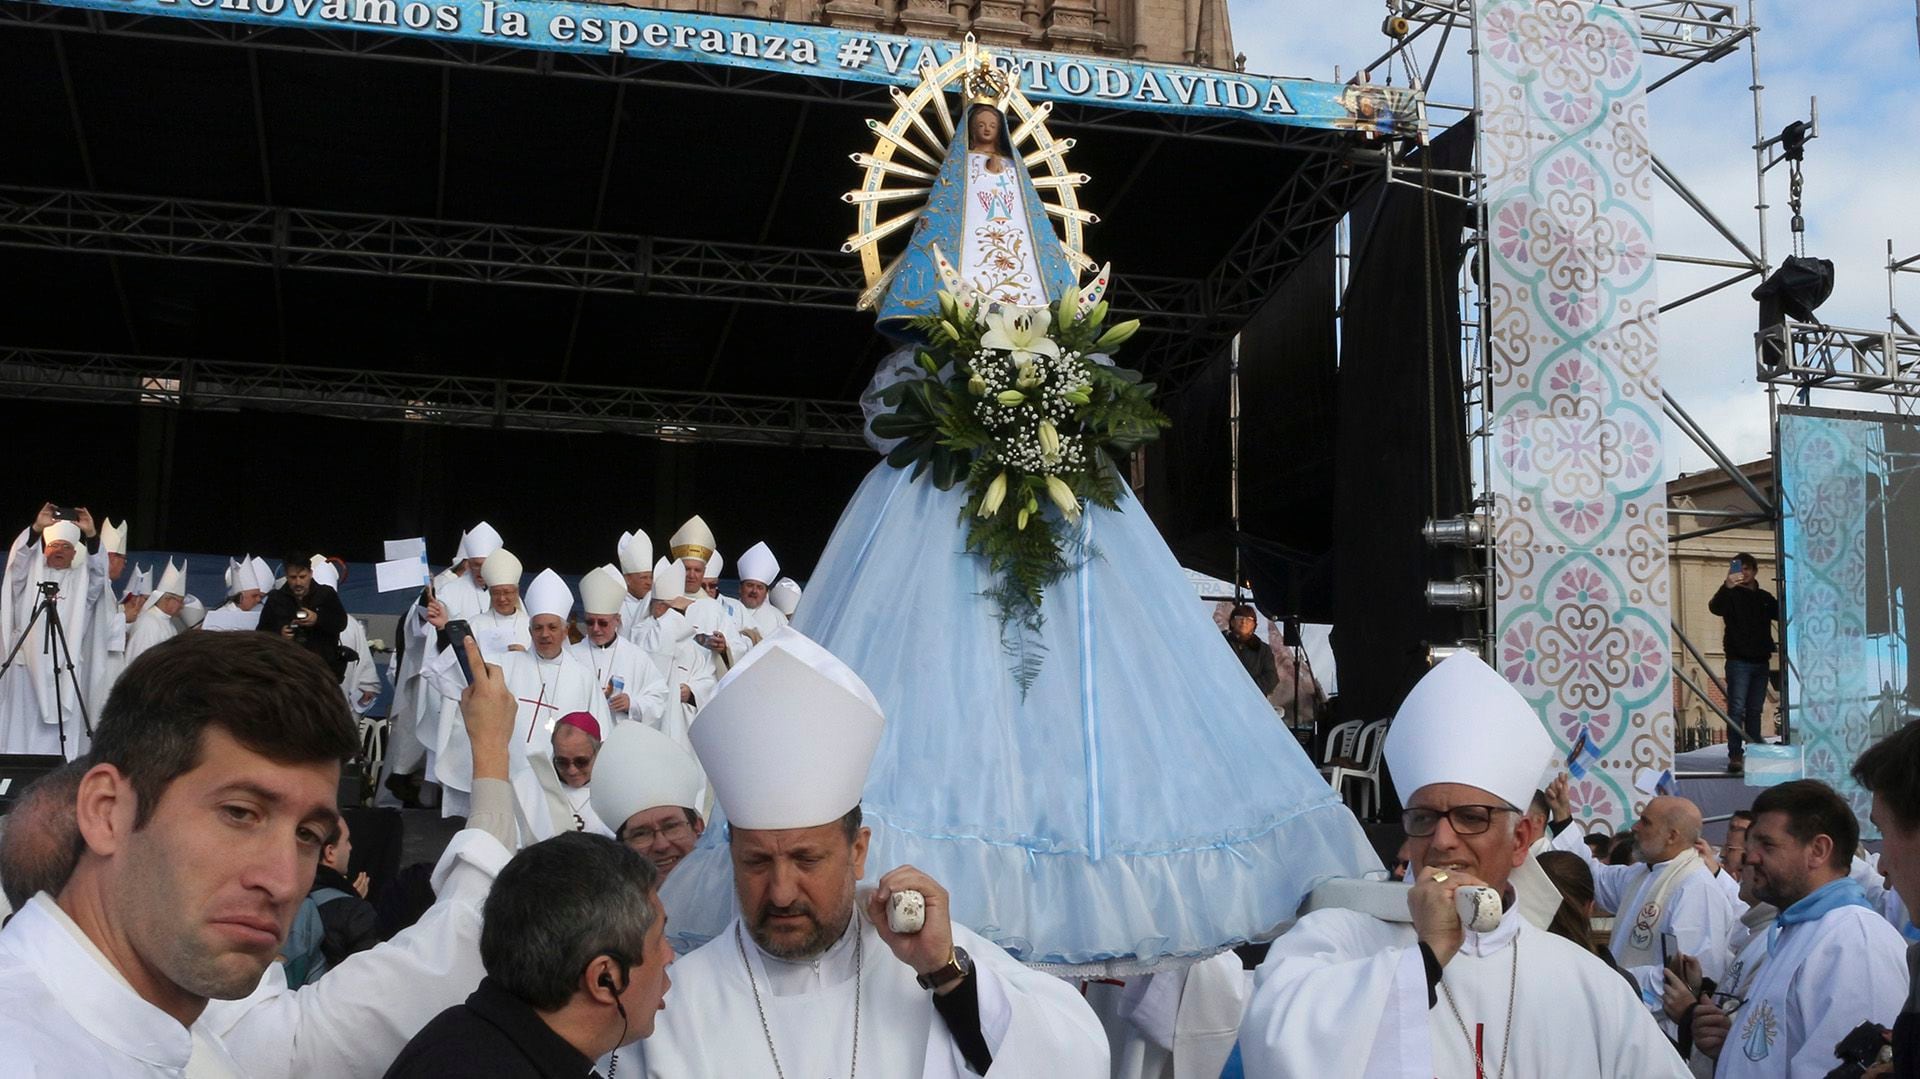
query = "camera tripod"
x=54 y=646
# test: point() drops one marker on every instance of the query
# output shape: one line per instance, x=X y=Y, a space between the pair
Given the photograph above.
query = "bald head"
x=40 y=841
x=1667 y=829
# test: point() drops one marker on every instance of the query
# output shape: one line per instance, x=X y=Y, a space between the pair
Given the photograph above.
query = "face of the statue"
x=983 y=130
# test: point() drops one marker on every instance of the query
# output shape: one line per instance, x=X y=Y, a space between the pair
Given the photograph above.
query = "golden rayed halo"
x=909 y=147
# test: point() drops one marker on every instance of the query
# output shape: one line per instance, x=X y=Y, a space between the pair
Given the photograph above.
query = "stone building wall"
x=1169 y=31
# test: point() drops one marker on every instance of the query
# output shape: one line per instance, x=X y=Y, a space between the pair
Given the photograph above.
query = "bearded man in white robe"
x=44 y=704
x=786 y=741
x=1667 y=898
x=635 y=689
x=1829 y=963
x=1345 y=995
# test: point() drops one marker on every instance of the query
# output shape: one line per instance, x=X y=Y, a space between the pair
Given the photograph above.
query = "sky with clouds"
x=1861 y=58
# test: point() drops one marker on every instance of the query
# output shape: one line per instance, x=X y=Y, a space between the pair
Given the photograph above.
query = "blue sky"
x=1860 y=57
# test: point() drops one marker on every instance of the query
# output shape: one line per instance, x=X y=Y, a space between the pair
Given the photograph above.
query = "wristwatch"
x=959 y=965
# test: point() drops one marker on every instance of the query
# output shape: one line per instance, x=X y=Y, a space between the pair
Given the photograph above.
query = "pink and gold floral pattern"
x=1573 y=345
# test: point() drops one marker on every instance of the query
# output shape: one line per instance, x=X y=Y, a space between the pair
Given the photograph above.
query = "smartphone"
x=701 y=639
x=1734 y=567
x=1669 y=949
x=458 y=633
x=65 y=513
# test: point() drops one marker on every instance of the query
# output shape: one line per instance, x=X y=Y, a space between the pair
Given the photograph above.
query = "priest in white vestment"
x=1345 y=995
x=635 y=689
x=759 y=569
x=693 y=547
x=500 y=625
x=1666 y=898
x=249 y=579
x=669 y=641
x=809 y=979
x=156 y=624
x=546 y=681
x=1827 y=964
x=634 y=555
x=651 y=791
x=45 y=707
x=414 y=714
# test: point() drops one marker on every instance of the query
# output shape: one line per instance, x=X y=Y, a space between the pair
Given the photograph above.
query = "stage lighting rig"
x=1440 y=653
x=1466 y=530
x=1462 y=592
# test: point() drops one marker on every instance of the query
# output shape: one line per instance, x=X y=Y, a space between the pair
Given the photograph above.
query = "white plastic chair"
x=373 y=743
x=1362 y=767
x=1340 y=740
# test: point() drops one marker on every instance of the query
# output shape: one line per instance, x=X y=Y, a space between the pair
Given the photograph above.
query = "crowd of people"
x=182 y=905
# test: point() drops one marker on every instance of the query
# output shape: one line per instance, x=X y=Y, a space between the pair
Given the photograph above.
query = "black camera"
x=49 y=589
x=1862 y=1048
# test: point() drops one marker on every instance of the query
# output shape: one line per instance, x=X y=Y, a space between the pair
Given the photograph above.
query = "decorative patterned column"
x=1579 y=507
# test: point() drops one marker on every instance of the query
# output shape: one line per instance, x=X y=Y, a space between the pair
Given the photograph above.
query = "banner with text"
x=817 y=51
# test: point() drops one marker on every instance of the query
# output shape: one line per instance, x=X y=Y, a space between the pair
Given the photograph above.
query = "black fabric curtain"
x=1401 y=439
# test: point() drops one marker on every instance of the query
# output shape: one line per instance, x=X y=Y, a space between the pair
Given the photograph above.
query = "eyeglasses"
x=1465 y=820
x=580 y=764
x=599 y=623
x=643 y=836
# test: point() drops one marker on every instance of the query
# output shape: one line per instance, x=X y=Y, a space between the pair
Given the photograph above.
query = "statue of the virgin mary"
x=1137 y=806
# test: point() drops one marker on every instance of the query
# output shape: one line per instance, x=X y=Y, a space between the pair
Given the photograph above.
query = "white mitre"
x=788 y=735
x=257 y=574
x=785 y=596
x=603 y=591
x=501 y=567
x=640 y=768
x=669 y=581
x=481 y=541
x=325 y=572
x=61 y=532
x=232 y=576
x=113 y=537
x=548 y=594
x=635 y=551
x=141 y=583
x=714 y=565
x=1464 y=724
x=758 y=564
x=173 y=582
x=693 y=540
x=460 y=552
x=192 y=613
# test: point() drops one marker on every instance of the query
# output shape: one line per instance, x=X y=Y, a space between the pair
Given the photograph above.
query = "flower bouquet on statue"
x=1026 y=408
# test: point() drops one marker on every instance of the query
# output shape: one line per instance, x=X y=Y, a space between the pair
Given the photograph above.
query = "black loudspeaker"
x=1799 y=286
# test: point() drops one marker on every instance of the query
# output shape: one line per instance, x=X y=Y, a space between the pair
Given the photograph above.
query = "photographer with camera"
x=52 y=634
x=1891 y=770
x=307 y=613
x=1800 y=990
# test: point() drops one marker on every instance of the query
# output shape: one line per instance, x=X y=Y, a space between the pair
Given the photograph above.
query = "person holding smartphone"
x=1748 y=612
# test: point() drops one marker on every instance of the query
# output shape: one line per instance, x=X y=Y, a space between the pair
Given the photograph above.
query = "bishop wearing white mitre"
x=249 y=580
x=668 y=639
x=414 y=716
x=157 y=624
x=635 y=689
x=39 y=700
x=759 y=619
x=1344 y=995
x=809 y=979
x=634 y=554
x=546 y=681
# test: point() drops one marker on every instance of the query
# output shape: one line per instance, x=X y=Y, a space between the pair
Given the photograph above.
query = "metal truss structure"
x=1807 y=356
x=283 y=238
x=1684 y=34
x=450 y=400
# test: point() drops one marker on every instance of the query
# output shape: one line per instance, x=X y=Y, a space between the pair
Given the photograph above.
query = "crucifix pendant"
x=579 y=823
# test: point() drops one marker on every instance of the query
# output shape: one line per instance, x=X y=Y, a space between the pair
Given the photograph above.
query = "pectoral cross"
x=538 y=703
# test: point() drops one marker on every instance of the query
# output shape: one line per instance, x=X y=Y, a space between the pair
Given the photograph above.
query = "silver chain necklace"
x=859 y=949
x=1479 y=1065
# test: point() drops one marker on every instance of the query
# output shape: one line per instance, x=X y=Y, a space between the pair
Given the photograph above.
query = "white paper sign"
x=397 y=575
x=405 y=548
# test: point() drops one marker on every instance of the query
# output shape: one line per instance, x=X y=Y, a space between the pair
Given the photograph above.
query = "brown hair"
x=1569 y=873
x=271 y=695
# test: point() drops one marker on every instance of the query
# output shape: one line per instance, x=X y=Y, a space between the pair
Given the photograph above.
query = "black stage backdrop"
x=1402 y=440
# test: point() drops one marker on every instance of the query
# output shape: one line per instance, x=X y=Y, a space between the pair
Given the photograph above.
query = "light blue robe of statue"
x=1140 y=804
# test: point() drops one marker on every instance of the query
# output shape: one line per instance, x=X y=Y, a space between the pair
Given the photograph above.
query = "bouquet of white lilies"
x=1023 y=406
